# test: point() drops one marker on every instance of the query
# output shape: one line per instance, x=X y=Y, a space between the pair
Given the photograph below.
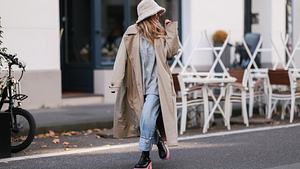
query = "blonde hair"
x=151 y=29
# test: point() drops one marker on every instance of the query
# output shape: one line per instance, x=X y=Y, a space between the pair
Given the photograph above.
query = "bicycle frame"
x=8 y=98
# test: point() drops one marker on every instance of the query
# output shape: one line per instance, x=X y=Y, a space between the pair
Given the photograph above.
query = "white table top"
x=210 y=80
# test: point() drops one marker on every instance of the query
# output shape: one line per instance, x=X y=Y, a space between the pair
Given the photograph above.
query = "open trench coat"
x=127 y=82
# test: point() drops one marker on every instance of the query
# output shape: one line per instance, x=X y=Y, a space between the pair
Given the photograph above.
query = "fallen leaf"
x=41 y=136
x=96 y=130
x=105 y=133
x=66 y=134
x=88 y=132
x=18 y=139
x=55 y=141
x=51 y=133
x=66 y=143
x=67 y=149
x=74 y=133
x=44 y=146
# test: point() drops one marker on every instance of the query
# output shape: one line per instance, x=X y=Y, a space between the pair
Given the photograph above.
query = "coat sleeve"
x=119 y=68
x=172 y=40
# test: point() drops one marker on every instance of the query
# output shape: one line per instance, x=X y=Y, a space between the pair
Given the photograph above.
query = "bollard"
x=5 y=134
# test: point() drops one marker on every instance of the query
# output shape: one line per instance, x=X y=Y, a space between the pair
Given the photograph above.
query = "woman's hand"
x=167 y=22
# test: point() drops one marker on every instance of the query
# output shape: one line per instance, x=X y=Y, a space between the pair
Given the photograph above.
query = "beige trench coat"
x=127 y=81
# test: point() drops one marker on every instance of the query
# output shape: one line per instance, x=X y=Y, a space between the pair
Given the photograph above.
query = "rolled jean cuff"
x=145 y=144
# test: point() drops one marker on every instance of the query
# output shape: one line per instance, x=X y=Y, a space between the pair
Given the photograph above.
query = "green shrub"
x=3 y=49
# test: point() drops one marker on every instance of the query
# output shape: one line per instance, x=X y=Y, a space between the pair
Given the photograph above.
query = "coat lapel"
x=159 y=51
x=132 y=45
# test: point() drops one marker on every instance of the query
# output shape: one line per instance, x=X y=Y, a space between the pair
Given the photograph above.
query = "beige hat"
x=147 y=8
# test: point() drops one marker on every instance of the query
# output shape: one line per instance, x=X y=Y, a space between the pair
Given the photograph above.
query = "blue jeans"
x=149 y=115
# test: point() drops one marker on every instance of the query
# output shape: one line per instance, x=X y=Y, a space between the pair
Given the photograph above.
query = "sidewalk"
x=73 y=118
x=83 y=117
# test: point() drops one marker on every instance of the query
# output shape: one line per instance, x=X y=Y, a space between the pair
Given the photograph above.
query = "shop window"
x=112 y=13
x=76 y=33
x=115 y=19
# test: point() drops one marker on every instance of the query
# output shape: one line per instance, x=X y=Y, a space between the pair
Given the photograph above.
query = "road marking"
x=79 y=151
x=289 y=166
x=242 y=131
x=106 y=147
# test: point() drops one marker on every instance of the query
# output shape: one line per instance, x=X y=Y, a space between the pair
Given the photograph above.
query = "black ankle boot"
x=163 y=150
x=144 y=162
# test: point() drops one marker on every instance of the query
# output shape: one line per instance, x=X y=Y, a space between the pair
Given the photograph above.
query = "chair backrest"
x=238 y=74
x=252 y=40
x=176 y=82
x=279 y=77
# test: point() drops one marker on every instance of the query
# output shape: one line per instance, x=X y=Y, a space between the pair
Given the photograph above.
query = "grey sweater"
x=148 y=65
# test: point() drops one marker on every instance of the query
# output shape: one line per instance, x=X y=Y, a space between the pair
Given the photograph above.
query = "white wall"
x=212 y=15
x=296 y=28
x=262 y=7
x=101 y=82
x=31 y=29
x=279 y=26
x=272 y=22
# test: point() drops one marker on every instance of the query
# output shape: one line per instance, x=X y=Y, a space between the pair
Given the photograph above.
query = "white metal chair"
x=220 y=80
x=291 y=53
x=187 y=95
x=207 y=84
x=257 y=82
x=258 y=77
x=281 y=78
x=206 y=81
x=185 y=92
x=239 y=93
x=295 y=74
x=178 y=56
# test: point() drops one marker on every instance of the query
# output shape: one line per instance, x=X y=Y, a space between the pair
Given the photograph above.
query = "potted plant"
x=219 y=38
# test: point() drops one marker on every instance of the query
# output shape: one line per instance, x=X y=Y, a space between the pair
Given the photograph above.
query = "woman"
x=146 y=99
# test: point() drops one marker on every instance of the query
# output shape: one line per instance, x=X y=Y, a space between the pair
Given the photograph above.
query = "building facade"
x=70 y=46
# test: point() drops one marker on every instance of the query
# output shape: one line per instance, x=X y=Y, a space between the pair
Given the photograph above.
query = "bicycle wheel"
x=23 y=133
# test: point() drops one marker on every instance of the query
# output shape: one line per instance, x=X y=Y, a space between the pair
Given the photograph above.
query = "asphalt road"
x=271 y=149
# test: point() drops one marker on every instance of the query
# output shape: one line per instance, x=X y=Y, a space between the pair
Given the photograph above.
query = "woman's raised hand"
x=167 y=22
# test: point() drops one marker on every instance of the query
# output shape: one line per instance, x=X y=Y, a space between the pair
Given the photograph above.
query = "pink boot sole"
x=148 y=167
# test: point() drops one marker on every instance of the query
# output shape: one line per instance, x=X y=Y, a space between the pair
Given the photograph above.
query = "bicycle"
x=23 y=125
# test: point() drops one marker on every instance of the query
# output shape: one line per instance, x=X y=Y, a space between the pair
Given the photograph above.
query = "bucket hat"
x=147 y=8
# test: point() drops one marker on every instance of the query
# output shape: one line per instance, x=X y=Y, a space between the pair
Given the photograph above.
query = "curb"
x=74 y=127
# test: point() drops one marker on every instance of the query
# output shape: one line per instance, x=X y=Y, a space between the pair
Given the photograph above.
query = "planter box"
x=5 y=133
x=225 y=58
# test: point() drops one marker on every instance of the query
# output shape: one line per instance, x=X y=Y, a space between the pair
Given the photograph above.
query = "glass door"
x=76 y=58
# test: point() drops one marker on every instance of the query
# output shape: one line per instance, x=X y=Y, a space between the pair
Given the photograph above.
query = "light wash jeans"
x=149 y=115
